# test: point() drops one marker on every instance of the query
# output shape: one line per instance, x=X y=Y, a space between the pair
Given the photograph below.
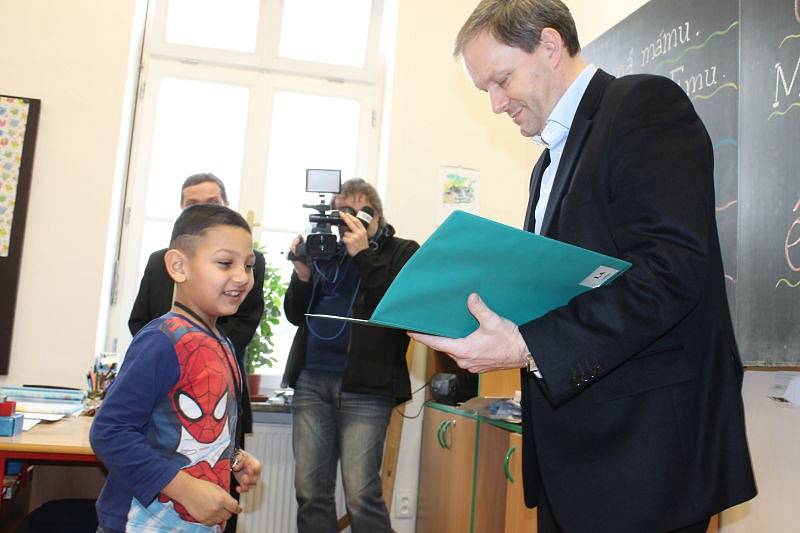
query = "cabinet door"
x=490 y=483
x=446 y=473
x=519 y=519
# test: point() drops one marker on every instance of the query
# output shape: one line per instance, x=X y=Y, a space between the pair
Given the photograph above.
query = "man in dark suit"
x=633 y=419
x=156 y=288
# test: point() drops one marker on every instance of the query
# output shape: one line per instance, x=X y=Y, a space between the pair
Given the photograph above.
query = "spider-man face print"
x=202 y=403
x=201 y=407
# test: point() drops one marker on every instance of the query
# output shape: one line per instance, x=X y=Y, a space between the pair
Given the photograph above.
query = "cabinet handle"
x=447 y=425
x=506 y=462
x=439 y=433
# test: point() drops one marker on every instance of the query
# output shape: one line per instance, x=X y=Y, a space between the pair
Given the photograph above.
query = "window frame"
x=263 y=75
x=266 y=55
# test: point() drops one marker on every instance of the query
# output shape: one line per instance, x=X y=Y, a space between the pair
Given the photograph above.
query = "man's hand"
x=300 y=268
x=206 y=502
x=495 y=345
x=356 y=238
x=247 y=471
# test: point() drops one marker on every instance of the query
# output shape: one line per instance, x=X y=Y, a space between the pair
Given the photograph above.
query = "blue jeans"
x=328 y=425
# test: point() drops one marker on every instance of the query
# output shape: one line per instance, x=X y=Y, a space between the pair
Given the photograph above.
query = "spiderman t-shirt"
x=173 y=407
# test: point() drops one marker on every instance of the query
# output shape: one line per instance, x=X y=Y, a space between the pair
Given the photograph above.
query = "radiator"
x=271 y=507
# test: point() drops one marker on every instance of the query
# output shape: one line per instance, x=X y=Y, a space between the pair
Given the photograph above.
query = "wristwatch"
x=530 y=365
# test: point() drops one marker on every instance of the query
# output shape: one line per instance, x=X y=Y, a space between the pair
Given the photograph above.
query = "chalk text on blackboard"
x=665 y=42
x=696 y=82
x=780 y=81
x=793 y=241
x=627 y=66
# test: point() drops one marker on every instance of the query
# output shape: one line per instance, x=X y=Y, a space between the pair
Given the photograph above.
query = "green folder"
x=520 y=276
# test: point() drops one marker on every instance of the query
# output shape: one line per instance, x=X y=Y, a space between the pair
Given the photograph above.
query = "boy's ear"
x=177 y=265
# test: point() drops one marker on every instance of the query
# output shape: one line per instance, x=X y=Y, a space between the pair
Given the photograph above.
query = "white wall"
x=74 y=57
x=439 y=118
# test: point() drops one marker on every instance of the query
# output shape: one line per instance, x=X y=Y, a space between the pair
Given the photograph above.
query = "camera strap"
x=344 y=324
x=324 y=277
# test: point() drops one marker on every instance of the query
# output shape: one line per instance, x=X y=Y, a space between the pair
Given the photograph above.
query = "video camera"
x=321 y=243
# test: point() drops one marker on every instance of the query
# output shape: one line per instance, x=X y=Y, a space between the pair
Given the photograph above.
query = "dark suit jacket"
x=155 y=298
x=638 y=424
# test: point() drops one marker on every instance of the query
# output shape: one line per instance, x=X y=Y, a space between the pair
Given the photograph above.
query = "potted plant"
x=259 y=351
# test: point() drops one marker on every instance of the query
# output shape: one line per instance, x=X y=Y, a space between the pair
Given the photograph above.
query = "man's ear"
x=552 y=42
x=177 y=265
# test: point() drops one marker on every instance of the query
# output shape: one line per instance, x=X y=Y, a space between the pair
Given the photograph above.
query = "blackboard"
x=723 y=55
x=769 y=182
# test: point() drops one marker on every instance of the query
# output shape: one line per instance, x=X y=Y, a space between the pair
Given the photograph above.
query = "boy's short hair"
x=194 y=221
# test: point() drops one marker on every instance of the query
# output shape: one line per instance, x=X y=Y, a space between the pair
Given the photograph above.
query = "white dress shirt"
x=554 y=136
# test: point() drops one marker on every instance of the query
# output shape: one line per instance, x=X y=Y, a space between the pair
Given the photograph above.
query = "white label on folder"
x=600 y=275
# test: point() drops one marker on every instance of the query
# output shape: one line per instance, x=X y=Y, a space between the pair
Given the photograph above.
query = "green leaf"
x=258 y=352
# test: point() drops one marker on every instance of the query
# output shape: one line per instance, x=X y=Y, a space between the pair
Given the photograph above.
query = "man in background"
x=632 y=412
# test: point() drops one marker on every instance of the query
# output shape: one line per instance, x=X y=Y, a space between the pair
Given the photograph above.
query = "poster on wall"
x=458 y=190
x=19 y=118
x=13 y=123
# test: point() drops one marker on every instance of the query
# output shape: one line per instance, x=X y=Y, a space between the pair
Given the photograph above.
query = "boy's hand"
x=206 y=502
x=246 y=470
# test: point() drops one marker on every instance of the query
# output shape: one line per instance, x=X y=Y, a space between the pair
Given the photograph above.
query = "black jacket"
x=376 y=357
x=155 y=298
x=638 y=422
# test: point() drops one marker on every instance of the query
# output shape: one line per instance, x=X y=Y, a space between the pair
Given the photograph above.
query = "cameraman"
x=346 y=377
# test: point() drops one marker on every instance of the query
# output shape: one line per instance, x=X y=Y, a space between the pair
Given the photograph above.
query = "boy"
x=166 y=429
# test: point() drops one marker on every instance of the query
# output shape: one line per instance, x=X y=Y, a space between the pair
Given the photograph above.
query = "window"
x=255 y=92
x=321 y=38
x=202 y=23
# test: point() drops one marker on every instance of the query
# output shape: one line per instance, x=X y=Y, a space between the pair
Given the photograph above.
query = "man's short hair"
x=359 y=187
x=203 y=177
x=195 y=220
x=519 y=24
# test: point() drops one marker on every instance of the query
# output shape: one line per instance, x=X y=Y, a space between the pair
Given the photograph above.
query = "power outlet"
x=404 y=504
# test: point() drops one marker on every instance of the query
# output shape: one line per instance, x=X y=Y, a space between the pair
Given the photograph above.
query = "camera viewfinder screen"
x=323 y=180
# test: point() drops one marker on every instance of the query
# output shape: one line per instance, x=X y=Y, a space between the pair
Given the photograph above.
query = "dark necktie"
x=534 y=194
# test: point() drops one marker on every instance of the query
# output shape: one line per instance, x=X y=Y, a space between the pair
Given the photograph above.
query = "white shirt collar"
x=560 y=120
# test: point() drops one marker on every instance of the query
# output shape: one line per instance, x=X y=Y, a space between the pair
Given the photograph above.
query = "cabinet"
x=470 y=475
x=499 y=470
x=499 y=384
x=518 y=517
x=446 y=471
x=484 y=482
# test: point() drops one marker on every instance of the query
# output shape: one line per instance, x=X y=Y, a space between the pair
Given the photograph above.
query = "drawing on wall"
x=459 y=189
x=13 y=121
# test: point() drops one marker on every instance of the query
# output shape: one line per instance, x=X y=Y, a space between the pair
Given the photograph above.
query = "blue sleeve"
x=119 y=431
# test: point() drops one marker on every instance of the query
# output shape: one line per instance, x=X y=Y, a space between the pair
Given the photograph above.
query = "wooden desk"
x=66 y=440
